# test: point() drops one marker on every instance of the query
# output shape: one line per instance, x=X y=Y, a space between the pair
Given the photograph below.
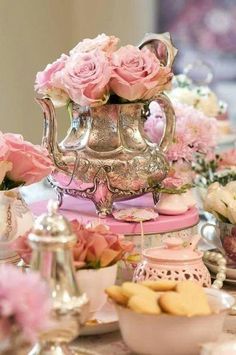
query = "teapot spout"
x=49 y=140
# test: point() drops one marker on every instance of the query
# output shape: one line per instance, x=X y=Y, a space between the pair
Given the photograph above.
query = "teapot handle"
x=169 y=130
x=161 y=45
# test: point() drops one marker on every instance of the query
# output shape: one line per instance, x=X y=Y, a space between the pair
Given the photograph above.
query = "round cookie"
x=141 y=303
x=188 y=300
x=130 y=289
x=173 y=303
x=160 y=285
x=115 y=293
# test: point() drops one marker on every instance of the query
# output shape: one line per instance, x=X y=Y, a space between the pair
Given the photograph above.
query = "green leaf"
x=93 y=264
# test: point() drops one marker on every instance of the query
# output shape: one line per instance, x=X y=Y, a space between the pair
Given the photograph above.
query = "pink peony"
x=227 y=159
x=24 y=302
x=137 y=74
x=30 y=163
x=86 y=76
x=107 y=44
x=194 y=133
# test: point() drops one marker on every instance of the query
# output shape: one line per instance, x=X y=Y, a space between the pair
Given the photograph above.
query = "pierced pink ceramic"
x=173 y=261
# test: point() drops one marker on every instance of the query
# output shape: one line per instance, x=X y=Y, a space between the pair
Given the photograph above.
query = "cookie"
x=160 y=285
x=173 y=303
x=196 y=296
x=130 y=289
x=142 y=303
x=188 y=300
x=115 y=293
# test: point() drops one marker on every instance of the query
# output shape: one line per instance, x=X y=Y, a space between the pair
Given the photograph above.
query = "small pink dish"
x=135 y=214
x=174 y=335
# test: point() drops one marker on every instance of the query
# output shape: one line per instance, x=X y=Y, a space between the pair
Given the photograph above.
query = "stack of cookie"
x=185 y=298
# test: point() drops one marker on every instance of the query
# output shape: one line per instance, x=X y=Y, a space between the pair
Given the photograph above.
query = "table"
x=111 y=343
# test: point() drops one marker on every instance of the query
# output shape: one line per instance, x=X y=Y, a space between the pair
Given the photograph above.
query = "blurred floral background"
x=205 y=30
x=33 y=33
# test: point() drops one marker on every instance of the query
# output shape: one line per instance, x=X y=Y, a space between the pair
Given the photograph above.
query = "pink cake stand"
x=84 y=211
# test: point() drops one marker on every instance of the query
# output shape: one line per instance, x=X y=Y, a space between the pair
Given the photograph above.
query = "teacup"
x=223 y=238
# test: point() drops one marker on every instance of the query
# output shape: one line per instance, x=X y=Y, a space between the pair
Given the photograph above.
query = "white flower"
x=207 y=101
x=221 y=201
x=183 y=95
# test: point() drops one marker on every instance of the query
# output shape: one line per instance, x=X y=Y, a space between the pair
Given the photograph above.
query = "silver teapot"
x=106 y=156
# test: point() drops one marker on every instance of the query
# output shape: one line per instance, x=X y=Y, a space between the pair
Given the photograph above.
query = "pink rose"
x=3 y=147
x=137 y=74
x=48 y=82
x=30 y=163
x=86 y=77
x=105 y=43
x=44 y=78
x=97 y=246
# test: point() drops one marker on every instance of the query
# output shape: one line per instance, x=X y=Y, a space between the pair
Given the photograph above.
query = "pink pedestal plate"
x=183 y=226
x=84 y=211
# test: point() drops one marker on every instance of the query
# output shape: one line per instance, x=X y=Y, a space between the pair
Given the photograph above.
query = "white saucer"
x=230 y=273
x=104 y=321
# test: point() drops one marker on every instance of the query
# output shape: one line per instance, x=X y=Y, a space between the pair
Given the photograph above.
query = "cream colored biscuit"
x=173 y=303
x=160 y=285
x=130 y=289
x=195 y=297
x=188 y=300
x=115 y=293
x=142 y=303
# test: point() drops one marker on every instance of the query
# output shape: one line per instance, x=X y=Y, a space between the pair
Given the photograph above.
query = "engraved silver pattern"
x=106 y=155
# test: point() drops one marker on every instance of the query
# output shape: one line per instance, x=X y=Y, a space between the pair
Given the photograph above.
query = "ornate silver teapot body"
x=106 y=155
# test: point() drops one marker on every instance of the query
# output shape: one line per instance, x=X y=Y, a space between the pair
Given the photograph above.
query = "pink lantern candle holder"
x=173 y=261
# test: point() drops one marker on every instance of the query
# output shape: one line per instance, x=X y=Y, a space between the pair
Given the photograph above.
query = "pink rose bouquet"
x=21 y=162
x=96 y=246
x=24 y=307
x=196 y=134
x=95 y=71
